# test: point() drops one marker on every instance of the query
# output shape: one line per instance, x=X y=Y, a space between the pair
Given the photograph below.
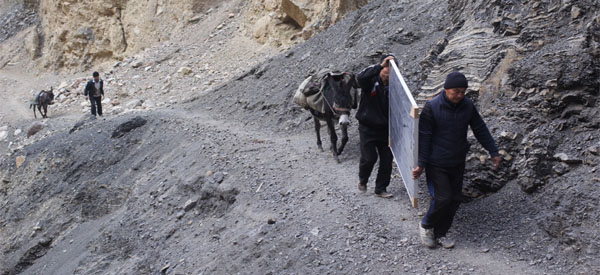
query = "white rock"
x=148 y=104
x=136 y=64
x=134 y=103
x=3 y=134
x=63 y=85
x=4 y=128
x=561 y=156
x=61 y=98
x=183 y=71
x=106 y=100
x=117 y=110
x=17 y=132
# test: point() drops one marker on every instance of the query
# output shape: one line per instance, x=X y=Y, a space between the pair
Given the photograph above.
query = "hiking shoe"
x=384 y=195
x=426 y=236
x=445 y=242
x=362 y=187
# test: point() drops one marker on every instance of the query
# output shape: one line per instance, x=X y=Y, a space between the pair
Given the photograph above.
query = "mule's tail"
x=33 y=106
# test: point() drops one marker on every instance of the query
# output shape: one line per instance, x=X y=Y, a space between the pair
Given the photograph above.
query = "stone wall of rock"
x=286 y=22
x=534 y=71
x=80 y=34
x=511 y=51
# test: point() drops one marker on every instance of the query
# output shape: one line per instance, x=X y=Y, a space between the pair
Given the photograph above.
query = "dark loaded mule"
x=41 y=102
x=339 y=96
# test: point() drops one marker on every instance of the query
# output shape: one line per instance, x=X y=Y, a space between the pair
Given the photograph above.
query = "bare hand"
x=497 y=160
x=386 y=61
x=417 y=171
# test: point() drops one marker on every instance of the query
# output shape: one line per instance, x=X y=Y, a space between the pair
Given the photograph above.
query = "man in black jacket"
x=373 y=127
x=443 y=146
x=95 y=90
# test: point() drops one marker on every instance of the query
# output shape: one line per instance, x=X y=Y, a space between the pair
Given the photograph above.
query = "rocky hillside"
x=75 y=35
x=222 y=176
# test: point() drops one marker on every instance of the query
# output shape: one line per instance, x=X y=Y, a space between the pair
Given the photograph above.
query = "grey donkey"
x=41 y=101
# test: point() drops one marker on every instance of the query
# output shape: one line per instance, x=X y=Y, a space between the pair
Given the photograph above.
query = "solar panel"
x=404 y=130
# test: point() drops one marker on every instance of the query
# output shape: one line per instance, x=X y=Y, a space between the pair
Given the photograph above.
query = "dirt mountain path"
x=16 y=92
x=295 y=209
x=361 y=233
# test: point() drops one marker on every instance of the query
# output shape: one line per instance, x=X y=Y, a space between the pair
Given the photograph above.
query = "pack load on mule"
x=329 y=95
x=309 y=94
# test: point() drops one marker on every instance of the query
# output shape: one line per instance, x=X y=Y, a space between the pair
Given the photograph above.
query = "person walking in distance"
x=373 y=127
x=443 y=147
x=95 y=90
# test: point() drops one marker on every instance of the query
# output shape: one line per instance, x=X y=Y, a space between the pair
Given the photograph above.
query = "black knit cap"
x=386 y=55
x=456 y=80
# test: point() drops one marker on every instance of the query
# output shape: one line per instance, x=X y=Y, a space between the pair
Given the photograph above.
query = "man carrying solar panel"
x=443 y=147
x=373 y=127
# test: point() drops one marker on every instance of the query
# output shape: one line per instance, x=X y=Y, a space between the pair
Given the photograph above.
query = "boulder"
x=63 y=85
x=566 y=159
x=134 y=103
x=34 y=128
x=117 y=110
x=128 y=126
x=294 y=12
x=575 y=12
x=19 y=161
x=573 y=109
x=183 y=71
x=137 y=64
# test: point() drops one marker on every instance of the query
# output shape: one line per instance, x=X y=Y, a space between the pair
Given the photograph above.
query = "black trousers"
x=445 y=188
x=372 y=144
x=96 y=104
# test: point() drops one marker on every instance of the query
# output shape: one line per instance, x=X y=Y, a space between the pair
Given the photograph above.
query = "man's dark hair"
x=385 y=55
x=95 y=74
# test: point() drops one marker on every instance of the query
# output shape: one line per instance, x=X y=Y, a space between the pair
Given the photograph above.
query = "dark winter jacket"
x=90 y=88
x=443 y=129
x=374 y=101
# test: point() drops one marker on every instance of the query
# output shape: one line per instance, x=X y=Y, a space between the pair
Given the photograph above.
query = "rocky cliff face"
x=285 y=22
x=76 y=34
x=79 y=34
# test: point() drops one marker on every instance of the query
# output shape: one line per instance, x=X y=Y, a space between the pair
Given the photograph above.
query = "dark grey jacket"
x=90 y=88
x=374 y=102
x=443 y=128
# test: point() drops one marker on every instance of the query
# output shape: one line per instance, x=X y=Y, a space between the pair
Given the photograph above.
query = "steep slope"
x=231 y=182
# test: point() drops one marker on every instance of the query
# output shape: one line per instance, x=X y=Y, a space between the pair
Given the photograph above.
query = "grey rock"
x=575 y=12
x=128 y=126
x=573 y=109
x=566 y=159
x=189 y=204
x=34 y=128
x=134 y=103
x=137 y=64
x=165 y=268
x=560 y=169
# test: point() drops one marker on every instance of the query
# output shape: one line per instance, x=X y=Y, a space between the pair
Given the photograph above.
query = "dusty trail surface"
x=242 y=179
